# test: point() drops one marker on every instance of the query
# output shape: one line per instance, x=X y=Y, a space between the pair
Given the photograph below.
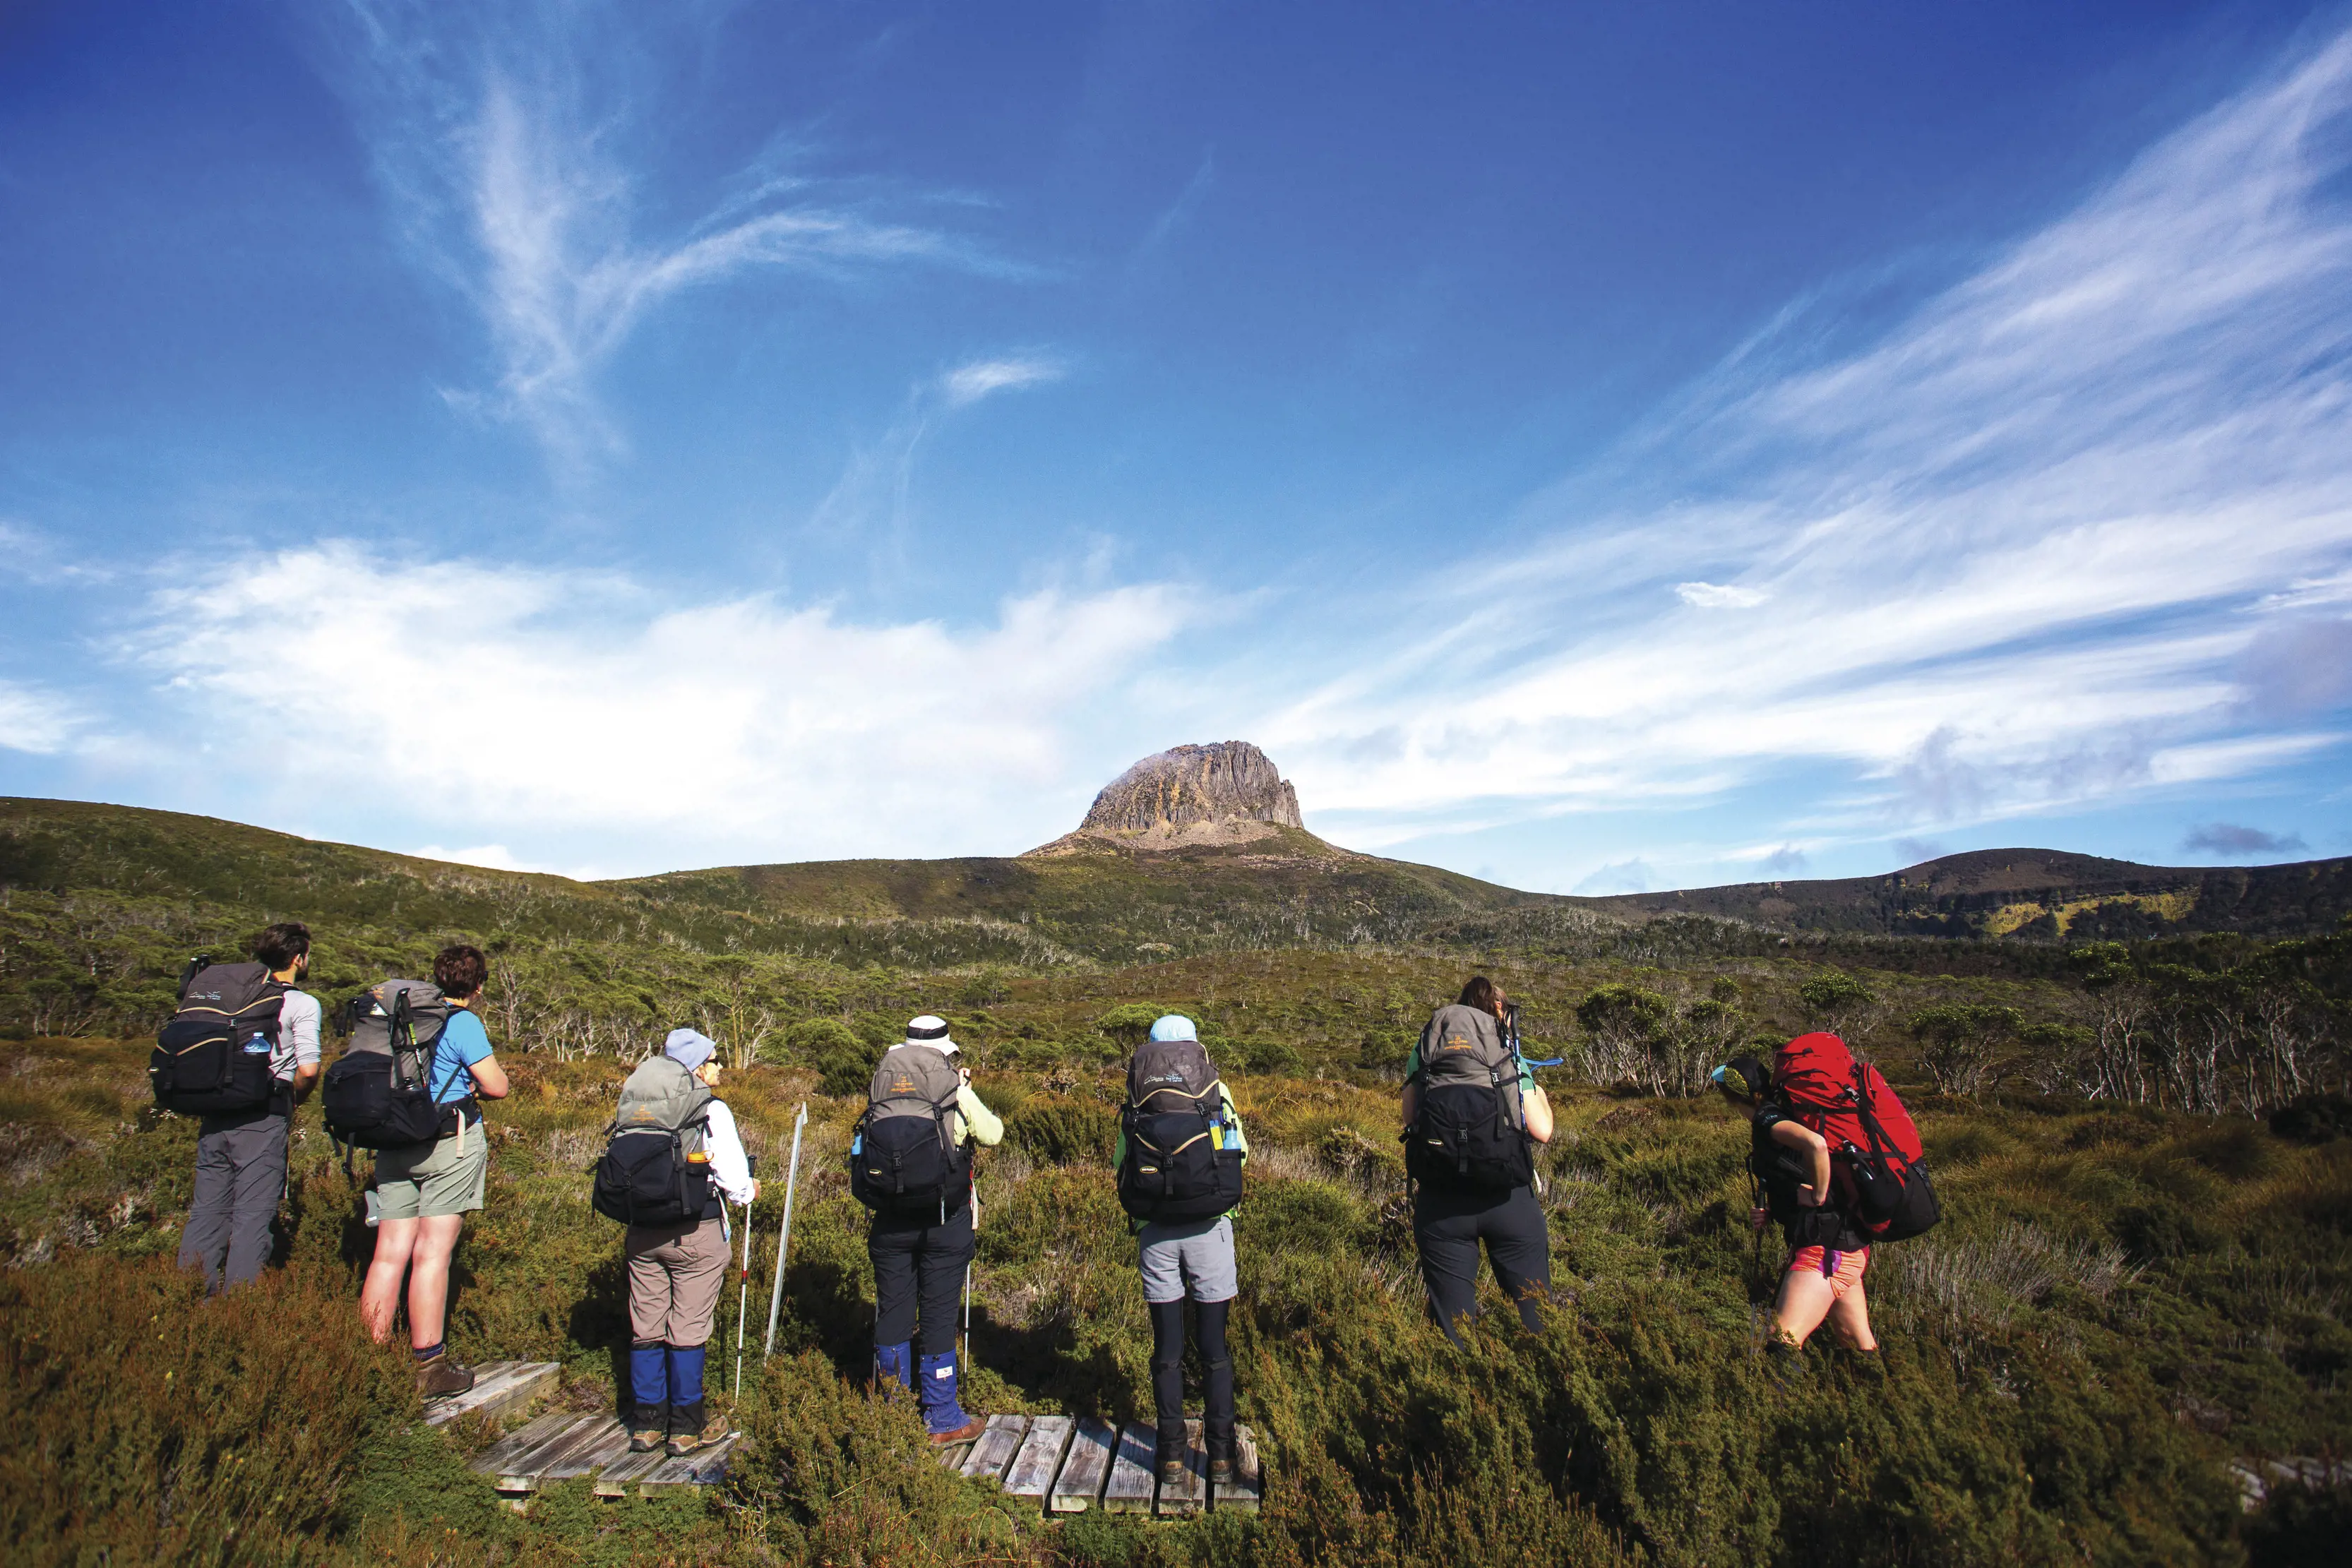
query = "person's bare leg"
x=379 y=1297
x=428 y=1278
x=1805 y=1300
x=1851 y=1318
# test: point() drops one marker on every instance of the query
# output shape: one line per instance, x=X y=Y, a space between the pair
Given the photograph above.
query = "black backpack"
x=655 y=1170
x=1174 y=1170
x=1469 y=1132
x=213 y=1058
x=904 y=1160
x=379 y=1094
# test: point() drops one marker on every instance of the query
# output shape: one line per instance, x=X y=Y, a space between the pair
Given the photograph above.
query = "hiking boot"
x=963 y=1433
x=1169 y=1456
x=440 y=1377
x=1221 y=1458
x=690 y=1433
x=648 y=1429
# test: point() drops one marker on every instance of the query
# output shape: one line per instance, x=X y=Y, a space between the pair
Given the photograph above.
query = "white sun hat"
x=932 y=1031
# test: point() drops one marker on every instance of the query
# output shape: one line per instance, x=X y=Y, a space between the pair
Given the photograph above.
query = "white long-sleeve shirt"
x=730 y=1172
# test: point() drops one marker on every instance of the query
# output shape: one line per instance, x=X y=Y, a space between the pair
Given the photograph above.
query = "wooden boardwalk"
x=1072 y=1464
x=565 y=1446
x=1062 y=1464
x=500 y=1388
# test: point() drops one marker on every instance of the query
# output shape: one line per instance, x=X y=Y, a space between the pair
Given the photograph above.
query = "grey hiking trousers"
x=240 y=1175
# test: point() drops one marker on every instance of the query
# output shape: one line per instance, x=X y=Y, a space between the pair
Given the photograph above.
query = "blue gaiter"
x=647 y=1374
x=686 y=1374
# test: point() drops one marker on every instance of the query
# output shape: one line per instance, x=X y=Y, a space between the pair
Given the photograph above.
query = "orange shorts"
x=1843 y=1269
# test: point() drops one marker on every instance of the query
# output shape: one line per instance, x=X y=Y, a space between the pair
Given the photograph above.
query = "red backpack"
x=1875 y=1158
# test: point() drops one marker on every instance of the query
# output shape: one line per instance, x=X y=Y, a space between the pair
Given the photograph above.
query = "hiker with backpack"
x=1473 y=1114
x=241 y=1051
x=910 y=1163
x=425 y=1188
x=672 y=1163
x=1178 y=1164
x=1837 y=1163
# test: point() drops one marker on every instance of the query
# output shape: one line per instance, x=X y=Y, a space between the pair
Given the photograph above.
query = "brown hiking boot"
x=690 y=1433
x=440 y=1377
x=1221 y=1471
x=963 y=1433
x=648 y=1429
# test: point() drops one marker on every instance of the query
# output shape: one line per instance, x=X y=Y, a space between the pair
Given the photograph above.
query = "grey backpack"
x=378 y=1094
x=904 y=1157
x=1469 y=1129
x=656 y=1165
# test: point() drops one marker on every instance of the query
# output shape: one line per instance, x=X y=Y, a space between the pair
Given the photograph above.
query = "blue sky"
x=1609 y=448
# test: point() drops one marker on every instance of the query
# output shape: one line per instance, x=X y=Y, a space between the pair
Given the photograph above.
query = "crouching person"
x=910 y=1163
x=1179 y=1161
x=674 y=1164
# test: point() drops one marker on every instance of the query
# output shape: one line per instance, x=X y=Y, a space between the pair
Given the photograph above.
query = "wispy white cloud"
x=536 y=702
x=982 y=378
x=873 y=494
x=1720 y=596
x=2027 y=549
x=511 y=140
x=35 y=720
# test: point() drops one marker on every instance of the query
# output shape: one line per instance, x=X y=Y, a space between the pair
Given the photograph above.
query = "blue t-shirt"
x=463 y=1042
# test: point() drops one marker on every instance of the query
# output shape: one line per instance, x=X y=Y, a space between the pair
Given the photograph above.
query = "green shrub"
x=1061 y=1130
x=844 y=1063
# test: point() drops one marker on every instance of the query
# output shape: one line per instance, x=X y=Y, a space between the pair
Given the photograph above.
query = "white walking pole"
x=784 y=1236
x=742 y=1300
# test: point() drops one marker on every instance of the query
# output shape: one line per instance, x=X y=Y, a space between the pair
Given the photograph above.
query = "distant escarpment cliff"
x=1228 y=793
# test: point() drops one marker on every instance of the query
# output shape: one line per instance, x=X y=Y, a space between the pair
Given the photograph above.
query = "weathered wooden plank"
x=499 y=1455
x=1191 y=1494
x=522 y=1472
x=953 y=1454
x=1031 y=1472
x=1247 y=1489
x=500 y=1388
x=994 y=1449
x=1080 y=1482
x=705 y=1466
x=1132 y=1483
x=614 y=1478
x=609 y=1442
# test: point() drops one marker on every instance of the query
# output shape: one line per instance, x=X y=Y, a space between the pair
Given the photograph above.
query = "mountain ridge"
x=1108 y=898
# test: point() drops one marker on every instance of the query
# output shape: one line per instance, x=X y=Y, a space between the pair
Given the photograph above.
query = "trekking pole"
x=784 y=1236
x=742 y=1300
x=967 y=1313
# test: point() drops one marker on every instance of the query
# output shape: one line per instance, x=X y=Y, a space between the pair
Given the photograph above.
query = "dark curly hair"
x=460 y=970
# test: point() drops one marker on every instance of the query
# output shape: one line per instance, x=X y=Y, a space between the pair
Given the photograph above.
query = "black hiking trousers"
x=1447 y=1226
x=1168 y=1377
x=918 y=1272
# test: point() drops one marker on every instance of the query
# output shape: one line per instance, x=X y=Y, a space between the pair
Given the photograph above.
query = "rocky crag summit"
x=1227 y=793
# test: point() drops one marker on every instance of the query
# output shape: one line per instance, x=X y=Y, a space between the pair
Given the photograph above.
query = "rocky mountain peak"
x=1226 y=793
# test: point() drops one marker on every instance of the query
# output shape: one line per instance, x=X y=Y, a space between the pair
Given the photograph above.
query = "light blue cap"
x=1174 y=1026
x=688 y=1049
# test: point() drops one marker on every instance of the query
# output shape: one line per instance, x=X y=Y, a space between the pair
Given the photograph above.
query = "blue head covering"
x=688 y=1049
x=1174 y=1026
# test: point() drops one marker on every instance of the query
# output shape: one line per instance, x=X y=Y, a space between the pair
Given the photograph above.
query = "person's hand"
x=755 y=1192
x=964 y=1073
x=1757 y=1219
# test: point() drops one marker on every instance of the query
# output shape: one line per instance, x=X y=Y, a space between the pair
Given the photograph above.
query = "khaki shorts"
x=430 y=1180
